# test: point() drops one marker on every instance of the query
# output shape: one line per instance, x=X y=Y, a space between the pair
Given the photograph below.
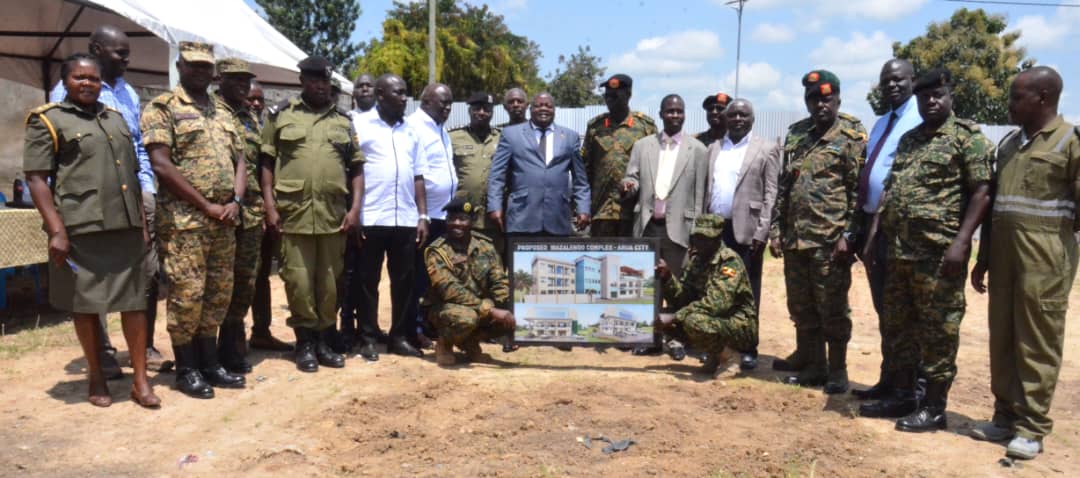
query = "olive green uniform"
x=198 y=251
x=465 y=286
x=1033 y=259
x=315 y=153
x=472 y=161
x=714 y=302
x=923 y=205
x=249 y=233
x=94 y=173
x=606 y=153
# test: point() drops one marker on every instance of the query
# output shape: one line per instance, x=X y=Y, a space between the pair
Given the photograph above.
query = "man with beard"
x=714 y=115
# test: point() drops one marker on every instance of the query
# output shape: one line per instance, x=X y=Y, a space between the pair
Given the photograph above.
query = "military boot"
x=211 y=368
x=815 y=372
x=306 y=361
x=838 y=379
x=797 y=360
x=472 y=349
x=189 y=380
x=444 y=352
x=930 y=416
x=883 y=388
x=324 y=354
x=230 y=347
x=899 y=403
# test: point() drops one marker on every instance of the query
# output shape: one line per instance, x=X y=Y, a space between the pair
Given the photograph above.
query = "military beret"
x=617 y=81
x=458 y=204
x=233 y=66
x=933 y=79
x=721 y=99
x=820 y=82
x=317 y=66
x=481 y=98
x=196 y=52
x=708 y=225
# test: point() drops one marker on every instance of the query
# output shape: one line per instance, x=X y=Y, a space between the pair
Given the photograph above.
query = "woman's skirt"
x=103 y=273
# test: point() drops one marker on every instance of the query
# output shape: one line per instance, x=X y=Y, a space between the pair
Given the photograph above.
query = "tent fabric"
x=36 y=35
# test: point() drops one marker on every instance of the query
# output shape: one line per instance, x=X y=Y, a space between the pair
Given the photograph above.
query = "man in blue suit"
x=533 y=158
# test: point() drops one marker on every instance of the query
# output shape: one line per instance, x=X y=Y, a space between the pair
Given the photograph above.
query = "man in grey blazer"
x=531 y=162
x=742 y=171
x=667 y=174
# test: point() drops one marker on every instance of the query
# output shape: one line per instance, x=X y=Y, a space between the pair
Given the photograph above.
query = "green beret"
x=708 y=225
x=820 y=82
x=933 y=79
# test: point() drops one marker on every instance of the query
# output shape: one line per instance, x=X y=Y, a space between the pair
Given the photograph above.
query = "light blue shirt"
x=122 y=98
x=907 y=119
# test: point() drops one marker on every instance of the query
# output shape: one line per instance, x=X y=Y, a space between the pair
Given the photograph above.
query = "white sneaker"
x=990 y=431
x=1023 y=448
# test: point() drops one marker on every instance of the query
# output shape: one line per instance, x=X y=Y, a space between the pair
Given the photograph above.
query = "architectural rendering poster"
x=583 y=291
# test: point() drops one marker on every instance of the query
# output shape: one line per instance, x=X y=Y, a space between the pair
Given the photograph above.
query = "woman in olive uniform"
x=93 y=217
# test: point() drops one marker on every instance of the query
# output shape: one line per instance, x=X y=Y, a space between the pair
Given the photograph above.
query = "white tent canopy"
x=36 y=35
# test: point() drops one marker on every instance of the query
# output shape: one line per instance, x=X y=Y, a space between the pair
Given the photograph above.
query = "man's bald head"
x=739 y=119
x=111 y=48
x=436 y=100
x=390 y=92
x=107 y=35
x=895 y=82
x=1044 y=81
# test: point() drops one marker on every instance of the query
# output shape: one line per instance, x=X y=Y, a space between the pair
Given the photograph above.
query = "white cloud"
x=858 y=58
x=1037 y=32
x=675 y=53
x=886 y=10
x=753 y=77
x=772 y=33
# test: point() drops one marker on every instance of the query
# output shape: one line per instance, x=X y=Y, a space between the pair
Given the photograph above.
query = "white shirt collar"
x=743 y=142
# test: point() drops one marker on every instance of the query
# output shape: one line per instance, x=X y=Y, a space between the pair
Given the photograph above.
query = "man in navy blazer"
x=533 y=159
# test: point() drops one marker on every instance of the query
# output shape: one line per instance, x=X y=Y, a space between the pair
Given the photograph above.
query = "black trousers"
x=398 y=246
x=753 y=269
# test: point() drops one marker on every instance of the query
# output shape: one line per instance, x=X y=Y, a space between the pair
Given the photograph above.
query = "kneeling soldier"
x=713 y=299
x=469 y=289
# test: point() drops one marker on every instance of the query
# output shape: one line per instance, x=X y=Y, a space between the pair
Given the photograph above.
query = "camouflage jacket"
x=606 y=153
x=248 y=125
x=203 y=142
x=472 y=161
x=926 y=192
x=705 y=137
x=473 y=278
x=714 y=286
x=817 y=190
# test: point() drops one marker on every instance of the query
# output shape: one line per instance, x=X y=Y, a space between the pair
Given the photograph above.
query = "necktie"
x=864 y=178
x=543 y=144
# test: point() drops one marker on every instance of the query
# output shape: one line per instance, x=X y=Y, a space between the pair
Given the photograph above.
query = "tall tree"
x=575 y=82
x=319 y=27
x=981 y=55
x=475 y=50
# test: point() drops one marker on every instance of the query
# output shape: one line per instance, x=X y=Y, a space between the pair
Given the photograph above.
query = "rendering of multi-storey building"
x=552 y=276
x=550 y=322
x=616 y=323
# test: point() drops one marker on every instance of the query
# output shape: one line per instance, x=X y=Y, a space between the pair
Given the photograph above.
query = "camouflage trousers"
x=817 y=293
x=711 y=334
x=458 y=324
x=248 y=248
x=199 y=270
x=921 y=314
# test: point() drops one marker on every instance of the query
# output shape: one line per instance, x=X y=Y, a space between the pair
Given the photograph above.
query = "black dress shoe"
x=191 y=383
x=748 y=362
x=807 y=378
x=879 y=391
x=327 y=357
x=219 y=377
x=925 y=419
x=306 y=361
x=888 y=407
x=400 y=346
x=837 y=383
x=238 y=365
x=369 y=352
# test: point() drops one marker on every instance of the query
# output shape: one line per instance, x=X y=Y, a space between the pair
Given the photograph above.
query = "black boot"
x=212 y=369
x=838 y=379
x=797 y=360
x=305 y=350
x=815 y=372
x=189 y=380
x=899 y=403
x=931 y=413
x=230 y=338
x=324 y=354
x=880 y=390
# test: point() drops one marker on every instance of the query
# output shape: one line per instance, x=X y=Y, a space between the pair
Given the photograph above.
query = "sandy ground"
x=521 y=416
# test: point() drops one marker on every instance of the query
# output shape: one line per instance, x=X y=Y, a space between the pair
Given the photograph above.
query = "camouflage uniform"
x=923 y=206
x=606 y=153
x=197 y=251
x=705 y=137
x=465 y=286
x=815 y=206
x=713 y=299
x=472 y=161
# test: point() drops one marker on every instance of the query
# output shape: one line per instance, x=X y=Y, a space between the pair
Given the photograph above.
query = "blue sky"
x=688 y=46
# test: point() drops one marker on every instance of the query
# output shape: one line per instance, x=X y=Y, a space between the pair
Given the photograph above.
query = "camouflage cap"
x=617 y=81
x=196 y=52
x=933 y=79
x=233 y=66
x=820 y=83
x=708 y=225
x=721 y=99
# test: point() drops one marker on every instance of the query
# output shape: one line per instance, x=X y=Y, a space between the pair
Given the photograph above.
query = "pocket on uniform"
x=1045 y=175
x=1053 y=305
x=289 y=193
x=188 y=136
x=80 y=206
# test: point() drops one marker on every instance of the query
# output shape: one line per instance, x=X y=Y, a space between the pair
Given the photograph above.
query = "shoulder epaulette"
x=276 y=108
x=854 y=134
x=110 y=108
x=644 y=117
x=597 y=118
x=40 y=112
x=436 y=248
x=967 y=124
x=459 y=128
x=1010 y=135
x=481 y=236
x=162 y=99
x=847 y=117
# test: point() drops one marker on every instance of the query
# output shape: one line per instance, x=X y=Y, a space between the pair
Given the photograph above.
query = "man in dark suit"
x=533 y=159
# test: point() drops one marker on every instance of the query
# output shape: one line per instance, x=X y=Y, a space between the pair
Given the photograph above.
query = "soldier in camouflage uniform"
x=934 y=198
x=235 y=85
x=713 y=300
x=813 y=229
x=196 y=152
x=606 y=153
x=469 y=290
x=714 y=106
x=474 y=145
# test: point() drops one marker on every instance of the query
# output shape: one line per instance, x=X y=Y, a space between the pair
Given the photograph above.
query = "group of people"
x=217 y=187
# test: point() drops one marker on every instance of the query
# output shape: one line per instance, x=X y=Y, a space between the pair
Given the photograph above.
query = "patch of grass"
x=798 y=469
x=28 y=341
x=549 y=471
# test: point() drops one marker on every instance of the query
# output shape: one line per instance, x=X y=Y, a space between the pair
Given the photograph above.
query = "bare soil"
x=523 y=415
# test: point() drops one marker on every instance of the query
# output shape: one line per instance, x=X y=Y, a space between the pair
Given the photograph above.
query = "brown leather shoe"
x=149 y=400
x=269 y=342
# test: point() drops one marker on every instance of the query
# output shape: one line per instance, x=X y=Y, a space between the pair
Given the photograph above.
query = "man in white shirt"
x=394 y=219
x=895 y=85
x=743 y=170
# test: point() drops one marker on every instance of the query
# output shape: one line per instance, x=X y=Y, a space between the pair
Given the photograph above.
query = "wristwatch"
x=849 y=237
x=425 y=218
x=238 y=200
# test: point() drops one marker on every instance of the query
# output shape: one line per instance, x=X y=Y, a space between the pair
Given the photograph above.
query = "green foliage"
x=523 y=281
x=319 y=27
x=981 y=55
x=475 y=50
x=574 y=83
